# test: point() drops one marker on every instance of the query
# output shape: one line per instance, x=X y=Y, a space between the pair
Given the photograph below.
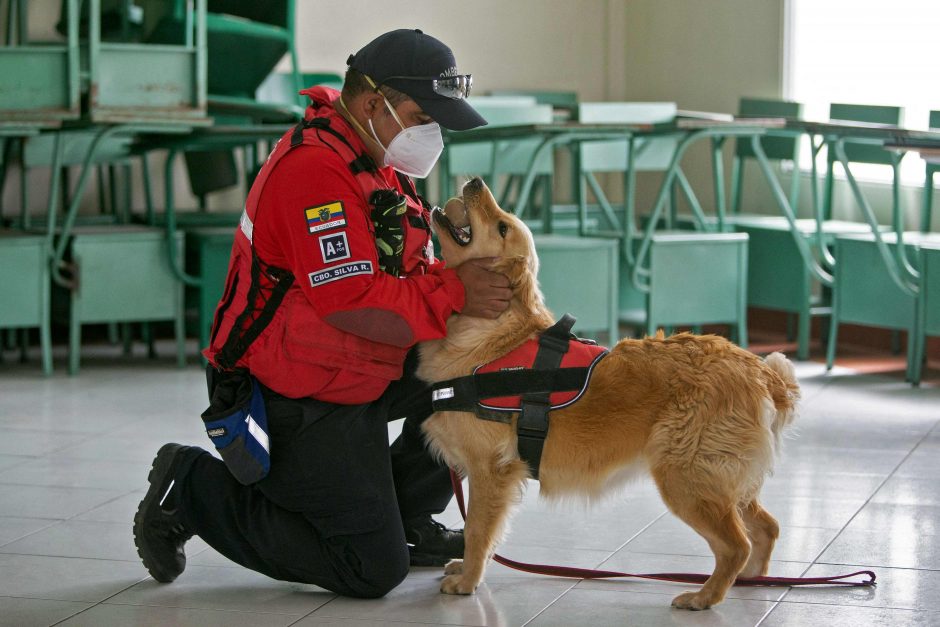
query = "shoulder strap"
x=361 y=163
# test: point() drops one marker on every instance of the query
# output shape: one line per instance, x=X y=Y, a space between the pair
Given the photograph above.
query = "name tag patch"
x=340 y=272
x=334 y=247
x=324 y=217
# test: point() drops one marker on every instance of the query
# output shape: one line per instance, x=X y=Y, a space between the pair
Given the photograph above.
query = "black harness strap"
x=532 y=428
x=362 y=163
x=464 y=393
x=238 y=341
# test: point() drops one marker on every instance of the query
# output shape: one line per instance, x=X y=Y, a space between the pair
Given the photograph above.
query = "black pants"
x=330 y=511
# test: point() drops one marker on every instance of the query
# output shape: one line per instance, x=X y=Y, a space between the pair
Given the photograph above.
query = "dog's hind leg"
x=721 y=525
x=762 y=530
x=493 y=490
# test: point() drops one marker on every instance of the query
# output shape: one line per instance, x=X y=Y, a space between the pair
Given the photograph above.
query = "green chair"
x=777 y=148
x=155 y=81
x=117 y=274
x=691 y=279
x=858 y=152
x=931 y=168
x=500 y=163
x=207 y=256
x=651 y=154
x=578 y=275
x=39 y=81
x=866 y=287
x=778 y=277
x=245 y=40
x=928 y=305
x=25 y=261
x=280 y=89
x=865 y=293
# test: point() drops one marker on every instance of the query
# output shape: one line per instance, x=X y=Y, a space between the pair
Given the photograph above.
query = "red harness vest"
x=289 y=350
x=580 y=354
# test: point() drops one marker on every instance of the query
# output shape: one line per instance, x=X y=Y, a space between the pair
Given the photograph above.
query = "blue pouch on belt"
x=237 y=424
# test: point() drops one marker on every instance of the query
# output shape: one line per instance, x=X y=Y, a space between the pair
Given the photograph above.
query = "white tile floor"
x=857 y=488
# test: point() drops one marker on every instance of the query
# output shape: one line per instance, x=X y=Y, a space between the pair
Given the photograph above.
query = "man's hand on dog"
x=487 y=292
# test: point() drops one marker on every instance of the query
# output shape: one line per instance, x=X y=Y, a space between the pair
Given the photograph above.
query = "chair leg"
x=179 y=326
x=928 y=203
x=833 y=331
x=740 y=327
x=75 y=336
x=146 y=336
x=45 y=345
x=917 y=357
x=127 y=339
x=114 y=334
x=790 y=335
x=802 y=334
x=912 y=357
x=737 y=181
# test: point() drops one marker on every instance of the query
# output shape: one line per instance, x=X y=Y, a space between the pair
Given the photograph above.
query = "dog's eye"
x=503 y=229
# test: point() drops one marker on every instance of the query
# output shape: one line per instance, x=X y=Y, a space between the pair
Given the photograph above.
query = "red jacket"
x=344 y=327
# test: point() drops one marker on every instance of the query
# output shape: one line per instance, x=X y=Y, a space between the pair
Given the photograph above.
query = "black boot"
x=430 y=543
x=159 y=533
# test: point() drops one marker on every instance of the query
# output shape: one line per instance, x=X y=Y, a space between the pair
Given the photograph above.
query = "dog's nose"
x=474 y=185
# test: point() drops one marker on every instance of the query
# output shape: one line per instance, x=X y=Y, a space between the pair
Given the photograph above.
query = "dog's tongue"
x=456 y=212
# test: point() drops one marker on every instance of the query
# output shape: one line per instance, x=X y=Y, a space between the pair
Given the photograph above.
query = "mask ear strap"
x=392 y=110
x=356 y=123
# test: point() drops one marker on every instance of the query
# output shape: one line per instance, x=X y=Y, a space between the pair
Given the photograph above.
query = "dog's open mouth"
x=454 y=219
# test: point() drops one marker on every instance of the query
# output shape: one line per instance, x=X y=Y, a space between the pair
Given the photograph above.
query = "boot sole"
x=151 y=499
x=427 y=559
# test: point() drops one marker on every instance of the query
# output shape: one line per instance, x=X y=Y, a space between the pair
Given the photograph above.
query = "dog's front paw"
x=457 y=584
x=453 y=567
x=691 y=601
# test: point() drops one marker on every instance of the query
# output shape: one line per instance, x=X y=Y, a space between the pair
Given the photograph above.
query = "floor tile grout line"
x=553 y=602
x=102 y=601
x=815 y=561
x=576 y=582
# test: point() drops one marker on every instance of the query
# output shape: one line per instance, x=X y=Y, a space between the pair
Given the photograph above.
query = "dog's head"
x=473 y=225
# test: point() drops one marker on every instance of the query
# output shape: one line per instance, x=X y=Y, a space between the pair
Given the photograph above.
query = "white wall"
x=538 y=44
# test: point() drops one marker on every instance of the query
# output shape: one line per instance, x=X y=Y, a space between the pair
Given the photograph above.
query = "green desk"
x=579 y=275
x=117 y=274
x=25 y=261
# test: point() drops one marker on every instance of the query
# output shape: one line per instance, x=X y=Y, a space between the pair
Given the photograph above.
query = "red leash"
x=586 y=573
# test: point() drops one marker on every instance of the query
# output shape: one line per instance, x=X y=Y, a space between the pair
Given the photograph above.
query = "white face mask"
x=415 y=149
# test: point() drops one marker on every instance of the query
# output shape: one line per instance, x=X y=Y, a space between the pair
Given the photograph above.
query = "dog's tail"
x=784 y=392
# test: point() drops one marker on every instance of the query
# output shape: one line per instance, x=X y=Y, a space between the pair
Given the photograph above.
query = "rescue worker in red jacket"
x=332 y=282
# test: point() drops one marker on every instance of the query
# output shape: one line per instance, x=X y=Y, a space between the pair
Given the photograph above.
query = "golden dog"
x=702 y=415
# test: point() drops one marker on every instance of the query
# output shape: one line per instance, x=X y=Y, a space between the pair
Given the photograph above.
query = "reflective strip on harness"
x=579 y=355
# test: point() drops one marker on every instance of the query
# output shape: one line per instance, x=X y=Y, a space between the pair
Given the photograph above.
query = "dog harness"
x=544 y=374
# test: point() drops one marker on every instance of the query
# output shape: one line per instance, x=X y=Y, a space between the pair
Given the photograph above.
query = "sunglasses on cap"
x=454 y=87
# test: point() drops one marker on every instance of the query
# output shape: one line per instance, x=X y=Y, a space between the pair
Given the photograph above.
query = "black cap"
x=407 y=52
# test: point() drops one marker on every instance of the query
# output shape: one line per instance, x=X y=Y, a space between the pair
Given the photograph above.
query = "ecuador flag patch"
x=323 y=217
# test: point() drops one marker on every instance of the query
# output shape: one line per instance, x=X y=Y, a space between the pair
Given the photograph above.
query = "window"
x=865 y=52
